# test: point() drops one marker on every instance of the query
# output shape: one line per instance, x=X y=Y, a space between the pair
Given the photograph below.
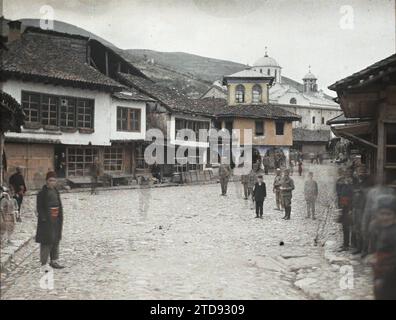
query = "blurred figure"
x=310 y=194
x=248 y=181
x=286 y=189
x=17 y=183
x=383 y=228
x=361 y=186
x=344 y=189
x=266 y=163
x=156 y=172
x=224 y=173
x=259 y=195
x=300 y=169
x=276 y=189
x=95 y=170
x=291 y=167
x=9 y=211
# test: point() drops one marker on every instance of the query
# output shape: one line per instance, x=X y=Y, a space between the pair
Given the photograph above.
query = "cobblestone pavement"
x=190 y=243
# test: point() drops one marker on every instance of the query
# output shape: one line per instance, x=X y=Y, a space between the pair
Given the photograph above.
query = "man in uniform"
x=277 y=184
x=248 y=181
x=224 y=173
x=310 y=194
x=286 y=189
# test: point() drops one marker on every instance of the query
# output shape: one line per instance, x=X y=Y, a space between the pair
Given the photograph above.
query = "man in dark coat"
x=95 y=171
x=17 y=182
x=224 y=174
x=259 y=195
x=49 y=222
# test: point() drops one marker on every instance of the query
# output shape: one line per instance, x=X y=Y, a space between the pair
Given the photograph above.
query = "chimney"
x=14 y=30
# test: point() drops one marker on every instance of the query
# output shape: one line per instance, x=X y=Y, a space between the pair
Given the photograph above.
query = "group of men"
x=368 y=218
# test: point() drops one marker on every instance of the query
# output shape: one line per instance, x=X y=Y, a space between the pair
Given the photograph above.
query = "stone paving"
x=188 y=242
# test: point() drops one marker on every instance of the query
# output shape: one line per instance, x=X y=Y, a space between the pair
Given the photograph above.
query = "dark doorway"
x=60 y=161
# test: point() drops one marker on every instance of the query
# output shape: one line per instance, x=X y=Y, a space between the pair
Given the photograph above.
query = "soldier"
x=224 y=173
x=383 y=227
x=277 y=184
x=310 y=194
x=286 y=189
x=345 y=192
x=248 y=181
x=362 y=184
x=259 y=195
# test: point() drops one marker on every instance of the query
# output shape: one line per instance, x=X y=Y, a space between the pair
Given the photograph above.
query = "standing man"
x=277 y=185
x=259 y=195
x=300 y=167
x=286 y=189
x=17 y=182
x=95 y=174
x=345 y=194
x=224 y=173
x=266 y=162
x=310 y=194
x=50 y=222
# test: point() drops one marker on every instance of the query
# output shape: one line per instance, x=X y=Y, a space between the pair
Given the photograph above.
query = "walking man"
x=259 y=195
x=248 y=181
x=17 y=183
x=286 y=188
x=300 y=167
x=310 y=194
x=266 y=163
x=224 y=173
x=277 y=185
x=50 y=222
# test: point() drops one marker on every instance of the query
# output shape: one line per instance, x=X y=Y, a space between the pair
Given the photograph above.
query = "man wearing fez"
x=50 y=222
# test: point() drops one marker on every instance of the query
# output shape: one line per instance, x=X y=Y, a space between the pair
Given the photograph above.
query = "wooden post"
x=107 y=63
x=380 y=151
x=1 y=158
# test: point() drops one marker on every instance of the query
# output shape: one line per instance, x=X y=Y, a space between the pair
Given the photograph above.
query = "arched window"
x=256 y=93
x=240 y=93
x=293 y=101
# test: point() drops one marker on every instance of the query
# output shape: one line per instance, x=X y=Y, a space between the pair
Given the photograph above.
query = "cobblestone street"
x=188 y=242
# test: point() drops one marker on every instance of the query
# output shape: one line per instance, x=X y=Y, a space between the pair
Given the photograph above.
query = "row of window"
x=53 y=110
x=80 y=159
x=260 y=128
x=240 y=93
x=193 y=125
x=314 y=120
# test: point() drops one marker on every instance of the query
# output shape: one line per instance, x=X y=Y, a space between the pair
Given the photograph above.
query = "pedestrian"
x=384 y=267
x=224 y=173
x=95 y=170
x=259 y=195
x=17 y=183
x=344 y=189
x=266 y=163
x=291 y=166
x=361 y=187
x=300 y=169
x=286 y=189
x=245 y=184
x=9 y=211
x=276 y=189
x=156 y=172
x=310 y=194
x=49 y=222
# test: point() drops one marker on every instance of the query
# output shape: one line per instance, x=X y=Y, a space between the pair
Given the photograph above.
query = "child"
x=259 y=195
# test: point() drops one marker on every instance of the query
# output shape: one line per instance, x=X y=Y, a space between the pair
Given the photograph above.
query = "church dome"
x=266 y=61
x=309 y=76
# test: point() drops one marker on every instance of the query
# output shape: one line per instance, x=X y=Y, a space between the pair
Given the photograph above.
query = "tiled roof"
x=371 y=73
x=53 y=57
x=131 y=94
x=11 y=112
x=306 y=135
x=258 y=111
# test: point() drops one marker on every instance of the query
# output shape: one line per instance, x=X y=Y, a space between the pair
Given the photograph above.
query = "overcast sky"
x=335 y=37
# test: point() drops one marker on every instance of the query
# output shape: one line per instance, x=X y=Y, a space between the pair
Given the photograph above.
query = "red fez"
x=50 y=174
